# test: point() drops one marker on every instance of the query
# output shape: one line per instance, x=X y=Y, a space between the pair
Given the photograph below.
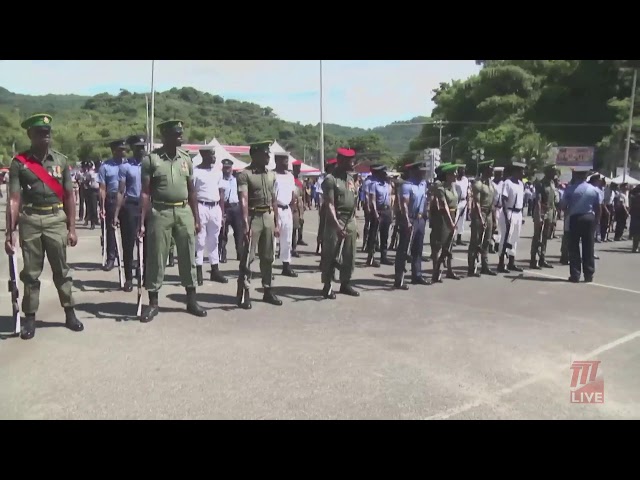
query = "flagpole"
x=629 y=130
x=153 y=104
x=146 y=99
x=321 y=124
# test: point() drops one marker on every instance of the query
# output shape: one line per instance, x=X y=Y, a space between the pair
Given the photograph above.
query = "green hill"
x=84 y=125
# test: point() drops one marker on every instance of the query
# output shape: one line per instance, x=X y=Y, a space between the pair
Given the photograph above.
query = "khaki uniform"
x=483 y=196
x=42 y=227
x=343 y=191
x=260 y=188
x=298 y=219
x=441 y=232
x=170 y=217
x=547 y=192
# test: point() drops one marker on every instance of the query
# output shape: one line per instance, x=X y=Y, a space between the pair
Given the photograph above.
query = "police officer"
x=209 y=192
x=379 y=199
x=404 y=226
x=232 y=211
x=285 y=196
x=444 y=222
x=297 y=209
x=108 y=179
x=256 y=188
x=367 y=213
x=40 y=180
x=93 y=194
x=483 y=218
x=322 y=214
x=414 y=194
x=127 y=212
x=167 y=174
x=544 y=216
x=340 y=232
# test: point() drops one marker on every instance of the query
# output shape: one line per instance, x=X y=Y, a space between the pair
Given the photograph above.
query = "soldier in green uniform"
x=322 y=213
x=297 y=210
x=169 y=201
x=544 y=217
x=257 y=192
x=483 y=218
x=42 y=205
x=340 y=231
x=443 y=224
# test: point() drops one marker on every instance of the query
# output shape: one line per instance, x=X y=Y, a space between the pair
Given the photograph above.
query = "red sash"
x=42 y=174
x=299 y=183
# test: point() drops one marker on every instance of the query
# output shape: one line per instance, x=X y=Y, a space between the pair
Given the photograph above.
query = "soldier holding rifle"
x=170 y=203
x=340 y=229
x=41 y=180
x=257 y=191
x=444 y=224
x=544 y=217
x=483 y=218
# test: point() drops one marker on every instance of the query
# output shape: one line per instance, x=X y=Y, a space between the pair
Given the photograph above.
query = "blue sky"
x=358 y=93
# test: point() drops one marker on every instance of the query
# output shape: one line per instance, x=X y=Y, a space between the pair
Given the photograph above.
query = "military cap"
x=37 y=120
x=264 y=146
x=120 y=143
x=451 y=168
x=206 y=148
x=346 y=152
x=378 y=168
x=170 y=124
x=518 y=164
x=137 y=140
x=281 y=155
x=296 y=162
x=332 y=161
x=227 y=163
x=498 y=169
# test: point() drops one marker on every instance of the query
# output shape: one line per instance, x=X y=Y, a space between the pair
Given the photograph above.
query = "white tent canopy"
x=628 y=179
x=305 y=169
x=221 y=154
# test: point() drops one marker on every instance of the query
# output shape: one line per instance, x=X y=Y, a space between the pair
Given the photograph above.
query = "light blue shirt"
x=230 y=186
x=581 y=199
x=417 y=195
x=382 y=191
x=109 y=175
x=130 y=173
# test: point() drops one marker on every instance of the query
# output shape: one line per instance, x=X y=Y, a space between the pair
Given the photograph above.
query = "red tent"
x=363 y=167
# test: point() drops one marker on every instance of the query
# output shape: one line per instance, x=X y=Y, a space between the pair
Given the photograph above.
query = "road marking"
x=533 y=272
x=525 y=383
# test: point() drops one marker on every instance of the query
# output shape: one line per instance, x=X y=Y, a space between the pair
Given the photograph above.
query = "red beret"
x=346 y=152
x=332 y=161
x=296 y=162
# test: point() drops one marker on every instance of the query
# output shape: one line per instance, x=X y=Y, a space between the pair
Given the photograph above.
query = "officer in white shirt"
x=498 y=179
x=207 y=183
x=286 y=195
x=462 y=187
x=511 y=218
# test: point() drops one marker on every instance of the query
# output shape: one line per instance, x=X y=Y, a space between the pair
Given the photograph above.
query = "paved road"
x=474 y=349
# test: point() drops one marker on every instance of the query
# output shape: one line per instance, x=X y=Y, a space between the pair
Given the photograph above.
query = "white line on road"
x=525 y=383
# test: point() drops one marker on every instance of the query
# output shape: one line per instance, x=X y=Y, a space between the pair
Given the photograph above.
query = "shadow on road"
x=85 y=266
x=7 y=326
x=117 y=311
x=224 y=302
x=295 y=294
x=98 y=286
x=535 y=278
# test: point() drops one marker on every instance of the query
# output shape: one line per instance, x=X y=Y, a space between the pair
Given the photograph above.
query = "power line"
x=472 y=122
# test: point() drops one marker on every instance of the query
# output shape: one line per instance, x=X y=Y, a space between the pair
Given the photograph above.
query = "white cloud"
x=362 y=93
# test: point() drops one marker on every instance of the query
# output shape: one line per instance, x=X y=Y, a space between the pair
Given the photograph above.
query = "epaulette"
x=51 y=150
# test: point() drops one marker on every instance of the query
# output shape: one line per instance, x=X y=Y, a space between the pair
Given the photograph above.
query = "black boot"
x=216 y=276
x=28 y=329
x=544 y=263
x=243 y=299
x=371 y=262
x=128 y=285
x=109 y=265
x=199 y=275
x=71 y=321
x=295 y=254
x=347 y=289
x=533 y=264
x=471 y=271
x=151 y=310
x=192 y=305
x=385 y=261
x=269 y=297
x=501 y=267
x=328 y=293
x=512 y=265
x=172 y=260
x=485 y=270
x=287 y=271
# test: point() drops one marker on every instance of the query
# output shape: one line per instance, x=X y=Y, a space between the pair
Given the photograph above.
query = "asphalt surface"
x=478 y=348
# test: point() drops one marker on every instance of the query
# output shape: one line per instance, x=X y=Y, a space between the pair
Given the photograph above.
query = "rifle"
x=244 y=281
x=140 y=275
x=119 y=251
x=103 y=240
x=447 y=253
x=479 y=251
x=14 y=290
x=407 y=253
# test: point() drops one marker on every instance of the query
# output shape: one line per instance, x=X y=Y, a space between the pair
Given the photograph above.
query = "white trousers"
x=285 y=225
x=514 y=234
x=463 y=216
x=499 y=227
x=210 y=222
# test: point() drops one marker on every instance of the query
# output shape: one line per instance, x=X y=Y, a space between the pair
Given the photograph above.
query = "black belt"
x=208 y=204
x=260 y=210
x=383 y=207
x=516 y=210
x=132 y=200
x=284 y=207
x=229 y=204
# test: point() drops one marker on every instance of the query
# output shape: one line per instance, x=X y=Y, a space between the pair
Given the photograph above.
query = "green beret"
x=485 y=164
x=451 y=168
x=264 y=146
x=442 y=165
x=37 y=120
x=169 y=124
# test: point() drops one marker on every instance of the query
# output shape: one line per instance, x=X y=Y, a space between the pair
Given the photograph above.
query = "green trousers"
x=40 y=234
x=476 y=237
x=165 y=223
x=535 y=241
x=262 y=239
x=331 y=251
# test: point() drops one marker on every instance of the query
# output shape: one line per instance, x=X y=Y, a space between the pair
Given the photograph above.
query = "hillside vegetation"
x=84 y=125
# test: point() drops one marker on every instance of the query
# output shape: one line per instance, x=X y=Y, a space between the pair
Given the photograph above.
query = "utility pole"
x=627 y=147
x=321 y=124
